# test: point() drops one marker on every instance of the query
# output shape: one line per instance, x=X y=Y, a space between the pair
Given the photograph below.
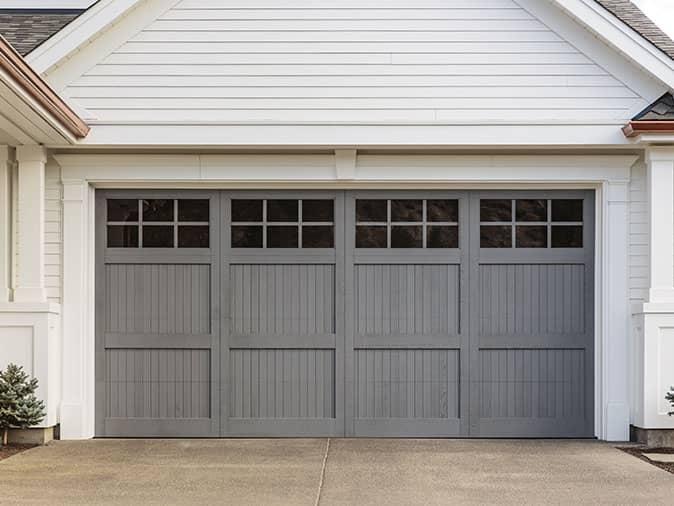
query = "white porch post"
x=77 y=410
x=30 y=223
x=6 y=166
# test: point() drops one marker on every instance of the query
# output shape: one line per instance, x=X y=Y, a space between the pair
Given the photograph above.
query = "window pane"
x=282 y=210
x=371 y=210
x=442 y=210
x=120 y=236
x=371 y=237
x=567 y=210
x=496 y=236
x=406 y=237
x=246 y=236
x=531 y=210
x=193 y=236
x=246 y=210
x=407 y=210
x=122 y=210
x=158 y=210
x=282 y=237
x=531 y=237
x=442 y=237
x=157 y=236
x=318 y=237
x=567 y=236
x=193 y=210
x=318 y=210
x=495 y=210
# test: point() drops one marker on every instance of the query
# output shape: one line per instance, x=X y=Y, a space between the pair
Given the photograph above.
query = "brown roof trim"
x=634 y=128
x=12 y=62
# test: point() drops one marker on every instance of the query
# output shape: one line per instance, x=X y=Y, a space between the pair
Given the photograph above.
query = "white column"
x=30 y=224
x=614 y=351
x=660 y=161
x=6 y=167
x=77 y=409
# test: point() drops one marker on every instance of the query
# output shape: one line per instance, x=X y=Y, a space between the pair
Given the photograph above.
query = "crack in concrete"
x=322 y=478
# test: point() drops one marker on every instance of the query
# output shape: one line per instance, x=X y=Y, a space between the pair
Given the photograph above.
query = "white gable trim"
x=620 y=36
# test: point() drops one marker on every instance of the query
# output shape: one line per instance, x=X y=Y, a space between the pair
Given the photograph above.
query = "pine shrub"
x=19 y=407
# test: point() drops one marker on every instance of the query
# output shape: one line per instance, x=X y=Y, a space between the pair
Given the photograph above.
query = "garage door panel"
x=532 y=300
x=282 y=383
x=286 y=299
x=407 y=299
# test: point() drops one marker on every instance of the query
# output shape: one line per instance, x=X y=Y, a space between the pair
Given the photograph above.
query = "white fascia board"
x=84 y=28
x=621 y=37
x=654 y=138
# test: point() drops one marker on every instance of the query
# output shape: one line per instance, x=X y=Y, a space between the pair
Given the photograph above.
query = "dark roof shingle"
x=25 y=29
x=660 y=110
x=633 y=17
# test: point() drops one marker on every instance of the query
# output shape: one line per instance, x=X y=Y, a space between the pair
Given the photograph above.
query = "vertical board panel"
x=530 y=300
x=407 y=383
x=296 y=300
x=163 y=384
x=406 y=299
x=282 y=383
x=532 y=383
x=158 y=298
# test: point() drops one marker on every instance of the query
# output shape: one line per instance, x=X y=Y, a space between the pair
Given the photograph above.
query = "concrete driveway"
x=301 y=471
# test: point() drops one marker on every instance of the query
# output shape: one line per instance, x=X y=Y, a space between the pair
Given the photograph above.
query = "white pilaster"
x=30 y=244
x=614 y=350
x=6 y=166
x=660 y=161
x=77 y=410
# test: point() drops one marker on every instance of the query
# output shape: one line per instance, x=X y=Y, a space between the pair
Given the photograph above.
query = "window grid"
x=175 y=223
x=424 y=223
x=513 y=223
x=265 y=223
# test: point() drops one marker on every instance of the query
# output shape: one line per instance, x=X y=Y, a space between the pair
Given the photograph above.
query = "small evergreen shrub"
x=670 y=398
x=19 y=407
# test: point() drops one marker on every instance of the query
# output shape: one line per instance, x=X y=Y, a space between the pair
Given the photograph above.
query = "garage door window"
x=407 y=223
x=531 y=223
x=283 y=223
x=158 y=223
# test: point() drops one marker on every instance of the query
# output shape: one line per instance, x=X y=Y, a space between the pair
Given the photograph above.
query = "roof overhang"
x=660 y=127
x=30 y=111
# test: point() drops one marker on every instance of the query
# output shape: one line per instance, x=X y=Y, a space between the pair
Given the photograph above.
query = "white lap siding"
x=53 y=233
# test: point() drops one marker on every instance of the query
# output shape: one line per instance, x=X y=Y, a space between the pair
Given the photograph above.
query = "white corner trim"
x=87 y=26
x=620 y=36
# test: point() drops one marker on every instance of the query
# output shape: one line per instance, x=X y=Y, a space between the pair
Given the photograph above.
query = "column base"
x=652 y=438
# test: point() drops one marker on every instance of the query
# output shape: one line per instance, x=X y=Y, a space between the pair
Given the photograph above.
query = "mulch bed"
x=9 y=450
x=638 y=452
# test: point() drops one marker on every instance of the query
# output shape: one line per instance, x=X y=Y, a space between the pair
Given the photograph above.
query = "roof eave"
x=636 y=128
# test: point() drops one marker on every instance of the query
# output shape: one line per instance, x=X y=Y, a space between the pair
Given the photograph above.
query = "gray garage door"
x=345 y=313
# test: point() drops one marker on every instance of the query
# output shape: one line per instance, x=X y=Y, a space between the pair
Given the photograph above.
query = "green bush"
x=19 y=407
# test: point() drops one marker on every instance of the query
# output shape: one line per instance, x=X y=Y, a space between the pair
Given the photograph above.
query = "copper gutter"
x=634 y=128
x=12 y=63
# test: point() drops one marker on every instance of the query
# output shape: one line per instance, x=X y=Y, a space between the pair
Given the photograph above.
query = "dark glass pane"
x=370 y=237
x=318 y=210
x=282 y=210
x=495 y=236
x=282 y=237
x=246 y=210
x=193 y=210
x=193 y=236
x=406 y=237
x=442 y=210
x=158 y=210
x=318 y=237
x=531 y=210
x=531 y=237
x=246 y=236
x=120 y=236
x=407 y=210
x=496 y=210
x=157 y=237
x=570 y=236
x=371 y=210
x=442 y=237
x=122 y=210
x=567 y=210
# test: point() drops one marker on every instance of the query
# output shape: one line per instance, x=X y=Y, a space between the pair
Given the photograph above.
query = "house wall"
x=423 y=62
